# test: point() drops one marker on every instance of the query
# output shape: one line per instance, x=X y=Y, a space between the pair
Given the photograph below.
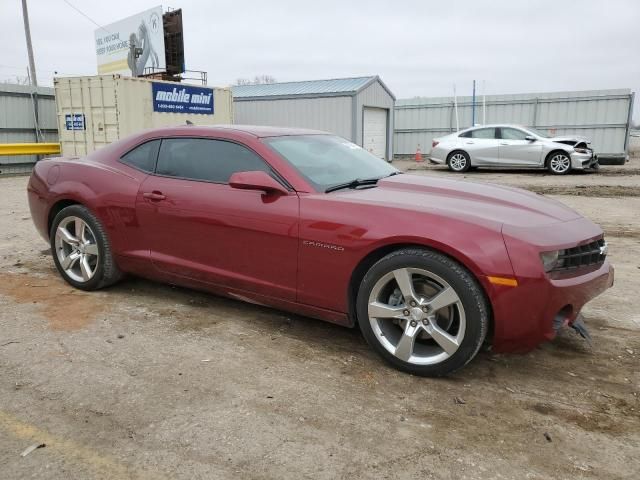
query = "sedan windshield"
x=538 y=133
x=328 y=161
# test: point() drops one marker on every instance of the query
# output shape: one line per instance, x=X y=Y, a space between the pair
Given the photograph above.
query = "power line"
x=85 y=15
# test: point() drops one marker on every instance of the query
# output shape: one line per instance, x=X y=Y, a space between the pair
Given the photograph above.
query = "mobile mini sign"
x=182 y=99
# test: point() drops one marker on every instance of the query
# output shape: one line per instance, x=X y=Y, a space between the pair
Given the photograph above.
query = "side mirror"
x=530 y=138
x=256 y=180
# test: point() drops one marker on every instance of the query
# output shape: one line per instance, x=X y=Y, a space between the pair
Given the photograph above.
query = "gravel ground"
x=148 y=381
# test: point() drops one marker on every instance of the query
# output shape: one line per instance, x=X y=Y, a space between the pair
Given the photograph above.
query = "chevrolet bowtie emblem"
x=604 y=249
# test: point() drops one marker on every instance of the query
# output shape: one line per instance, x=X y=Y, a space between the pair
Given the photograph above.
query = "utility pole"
x=473 y=105
x=32 y=71
x=27 y=34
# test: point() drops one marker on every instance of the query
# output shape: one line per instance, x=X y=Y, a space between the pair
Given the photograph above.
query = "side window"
x=203 y=159
x=513 y=134
x=466 y=134
x=484 y=133
x=143 y=157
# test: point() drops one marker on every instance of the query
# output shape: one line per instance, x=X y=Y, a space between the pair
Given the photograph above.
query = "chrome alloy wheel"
x=458 y=162
x=77 y=249
x=417 y=316
x=560 y=163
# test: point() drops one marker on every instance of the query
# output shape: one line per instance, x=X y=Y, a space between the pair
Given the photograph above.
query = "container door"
x=198 y=227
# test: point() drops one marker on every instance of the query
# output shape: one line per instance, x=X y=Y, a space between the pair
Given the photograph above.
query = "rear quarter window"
x=143 y=157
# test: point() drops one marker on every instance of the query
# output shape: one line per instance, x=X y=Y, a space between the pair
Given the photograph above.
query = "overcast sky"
x=419 y=48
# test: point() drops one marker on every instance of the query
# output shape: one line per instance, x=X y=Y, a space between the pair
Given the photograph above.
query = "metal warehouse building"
x=358 y=109
x=603 y=116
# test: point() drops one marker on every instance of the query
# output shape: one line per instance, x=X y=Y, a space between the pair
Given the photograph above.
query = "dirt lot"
x=149 y=381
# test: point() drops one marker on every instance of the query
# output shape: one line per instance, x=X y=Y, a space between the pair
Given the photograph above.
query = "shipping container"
x=95 y=111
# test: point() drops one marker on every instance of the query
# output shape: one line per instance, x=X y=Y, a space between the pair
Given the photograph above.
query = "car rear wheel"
x=81 y=249
x=559 y=163
x=459 y=161
x=422 y=312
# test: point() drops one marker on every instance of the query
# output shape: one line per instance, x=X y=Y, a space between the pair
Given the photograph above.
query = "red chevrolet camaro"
x=304 y=221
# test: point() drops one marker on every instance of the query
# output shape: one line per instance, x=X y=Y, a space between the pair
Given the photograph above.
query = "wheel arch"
x=550 y=154
x=57 y=207
x=380 y=252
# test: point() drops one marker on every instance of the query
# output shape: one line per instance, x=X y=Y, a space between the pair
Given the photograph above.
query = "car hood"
x=480 y=203
x=570 y=138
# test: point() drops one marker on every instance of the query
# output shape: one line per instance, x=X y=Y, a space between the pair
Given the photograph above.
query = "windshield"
x=327 y=160
x=538 y=133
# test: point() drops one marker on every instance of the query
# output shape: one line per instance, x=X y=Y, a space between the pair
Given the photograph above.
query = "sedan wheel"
x=459 y=162
x=559 y=163
x=81 y=249
x=423 y=312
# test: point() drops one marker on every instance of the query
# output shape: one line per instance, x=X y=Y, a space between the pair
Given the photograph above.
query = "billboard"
x=132 y=44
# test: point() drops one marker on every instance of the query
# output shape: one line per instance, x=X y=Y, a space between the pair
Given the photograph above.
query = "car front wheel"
x=422 y=312
x=559 y=163
x=81 y=249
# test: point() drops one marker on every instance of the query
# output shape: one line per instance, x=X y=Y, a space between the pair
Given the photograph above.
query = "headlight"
x=550 y=260
x=582 y=150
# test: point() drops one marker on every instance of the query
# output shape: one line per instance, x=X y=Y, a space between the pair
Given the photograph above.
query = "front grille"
x=586 y=255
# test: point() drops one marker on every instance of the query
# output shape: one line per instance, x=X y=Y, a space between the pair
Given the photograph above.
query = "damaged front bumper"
x=584 y=161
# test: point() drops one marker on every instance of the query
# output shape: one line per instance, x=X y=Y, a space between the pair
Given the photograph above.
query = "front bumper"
x=532 y=312
x=583 y=161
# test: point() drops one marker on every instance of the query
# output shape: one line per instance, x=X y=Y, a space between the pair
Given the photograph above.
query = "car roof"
x=494 y=125
x=254 y=130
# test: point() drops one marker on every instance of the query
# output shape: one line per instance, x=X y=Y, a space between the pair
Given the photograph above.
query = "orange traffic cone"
x=418 y=155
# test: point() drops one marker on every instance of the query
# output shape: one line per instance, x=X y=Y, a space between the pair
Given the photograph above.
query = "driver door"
x=517 y=151
x=197 y=226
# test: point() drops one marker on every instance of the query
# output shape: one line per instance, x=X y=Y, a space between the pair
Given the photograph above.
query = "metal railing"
x=7 y=149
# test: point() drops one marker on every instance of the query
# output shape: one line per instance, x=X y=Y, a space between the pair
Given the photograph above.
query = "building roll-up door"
x=374 y=131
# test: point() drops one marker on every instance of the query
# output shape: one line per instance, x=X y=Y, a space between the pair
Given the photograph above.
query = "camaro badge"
x=311 y=243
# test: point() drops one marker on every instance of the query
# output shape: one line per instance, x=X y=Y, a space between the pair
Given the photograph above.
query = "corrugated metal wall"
x=17 y=123
x=601 y=115
x=374 y=96
x=331 y=114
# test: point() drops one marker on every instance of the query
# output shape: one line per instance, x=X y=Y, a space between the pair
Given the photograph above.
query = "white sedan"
x=512 y=146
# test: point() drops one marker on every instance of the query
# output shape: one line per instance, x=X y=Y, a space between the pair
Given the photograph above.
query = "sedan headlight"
x=550 y=260
x=582 y=150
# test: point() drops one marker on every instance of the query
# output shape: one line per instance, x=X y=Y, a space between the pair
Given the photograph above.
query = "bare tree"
x=16 y=80
x=257 y=80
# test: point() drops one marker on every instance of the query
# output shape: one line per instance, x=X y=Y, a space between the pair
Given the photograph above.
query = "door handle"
x=155 y=195
x=504 y=143
x=469 y=143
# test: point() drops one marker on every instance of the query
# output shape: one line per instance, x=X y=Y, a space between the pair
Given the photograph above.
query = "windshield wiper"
x=355 y=183
x=358 y=182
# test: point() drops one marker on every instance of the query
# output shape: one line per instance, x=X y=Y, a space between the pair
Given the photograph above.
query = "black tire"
x=554 y=158
x=459 y=161
x=106 y=272
x=469 y=292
